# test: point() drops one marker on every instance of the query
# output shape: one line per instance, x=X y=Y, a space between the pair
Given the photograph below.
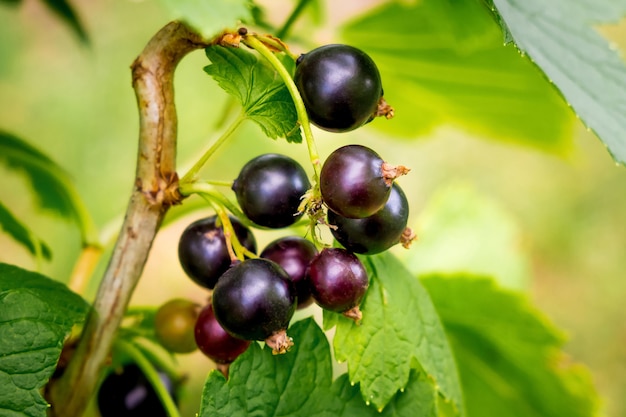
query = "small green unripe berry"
x=174 y=324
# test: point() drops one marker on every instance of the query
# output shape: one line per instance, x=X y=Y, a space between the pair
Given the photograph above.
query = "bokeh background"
x=549 y=223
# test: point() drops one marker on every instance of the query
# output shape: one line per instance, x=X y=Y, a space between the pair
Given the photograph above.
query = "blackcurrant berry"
x=269 y=189
x=375 y=233
x=293 y=254
x=340 y=86
x=338 y=280
x=202 y=249
x=214 y=341
x=174 y=325
x=128 y=393
x=254 y=300
x=355 y=182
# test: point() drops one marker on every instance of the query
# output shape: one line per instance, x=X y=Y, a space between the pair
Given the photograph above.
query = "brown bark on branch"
x=155 y=190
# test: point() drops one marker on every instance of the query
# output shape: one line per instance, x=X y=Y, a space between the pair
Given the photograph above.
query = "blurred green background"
x=551 y=221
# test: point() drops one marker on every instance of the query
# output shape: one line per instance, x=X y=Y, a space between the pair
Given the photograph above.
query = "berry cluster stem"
x=193 y=172
x=253 y=42
x=153 y=81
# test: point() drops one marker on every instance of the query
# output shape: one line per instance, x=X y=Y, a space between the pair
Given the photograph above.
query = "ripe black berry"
x=128 y=393
x=174 y=323
x=293 y=254
x=355 y=182
x=214 y=341
x=340 y=86
x=202 y=249
x=269 y=189
x=375 y=233
x=255 y=300
x=338 y=281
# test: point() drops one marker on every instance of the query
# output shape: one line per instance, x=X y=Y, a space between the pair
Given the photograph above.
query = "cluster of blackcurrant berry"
x=255 y=296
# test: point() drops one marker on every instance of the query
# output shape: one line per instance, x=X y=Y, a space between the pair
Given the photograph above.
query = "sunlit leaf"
x=509 y=355
x=259 y=89
x=444 y=62
x=559 y=36
x=400 y=328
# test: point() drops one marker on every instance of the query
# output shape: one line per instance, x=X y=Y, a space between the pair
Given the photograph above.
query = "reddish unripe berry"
x=338 y=280
x=214 y=341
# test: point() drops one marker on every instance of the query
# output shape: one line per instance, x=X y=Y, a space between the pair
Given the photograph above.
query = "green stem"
x=193 y=172
x=283 y=32
x=256 y=44
x=220 y=183
x=207 y=191
x=220 y=203
x=151 y=375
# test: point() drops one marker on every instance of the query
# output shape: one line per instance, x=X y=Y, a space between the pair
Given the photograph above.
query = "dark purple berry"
x=338 y=280
x=202 y=249
x=340 y=86
x=214 y=341
x=254 y=300
x=269 y=190
x=294 y=254
x=375 y=233
x=126 y=392
x=353 y=182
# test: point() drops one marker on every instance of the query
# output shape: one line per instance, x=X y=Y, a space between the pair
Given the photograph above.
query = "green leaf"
x=443 y=63
x=20 y=233
x=210 y=17
x=259 y=89
x=400 y=331
x=462 y=231
x=36 y=315
x=52 y=185
x=296 y=383
x=508 y=353
x=559 y=36
x=66 y=12
x=418 y=399
x=299 y=384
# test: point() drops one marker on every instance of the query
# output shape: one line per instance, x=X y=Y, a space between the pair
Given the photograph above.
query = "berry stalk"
x=256 y=44
x=193 y=172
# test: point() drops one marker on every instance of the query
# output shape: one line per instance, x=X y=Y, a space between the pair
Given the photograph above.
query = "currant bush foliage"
x=35 y=318
x=258 y=88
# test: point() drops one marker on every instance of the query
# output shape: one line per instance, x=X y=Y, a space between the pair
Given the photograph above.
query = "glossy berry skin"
x=254 y=299
x=338 y=280
x=352 y=183
x=128 y=393
x=202 y=250
x=174 y=325
x=214 y=341
x=376 y=233
x=269 y=189
x=340 y=86
x=294 y=254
